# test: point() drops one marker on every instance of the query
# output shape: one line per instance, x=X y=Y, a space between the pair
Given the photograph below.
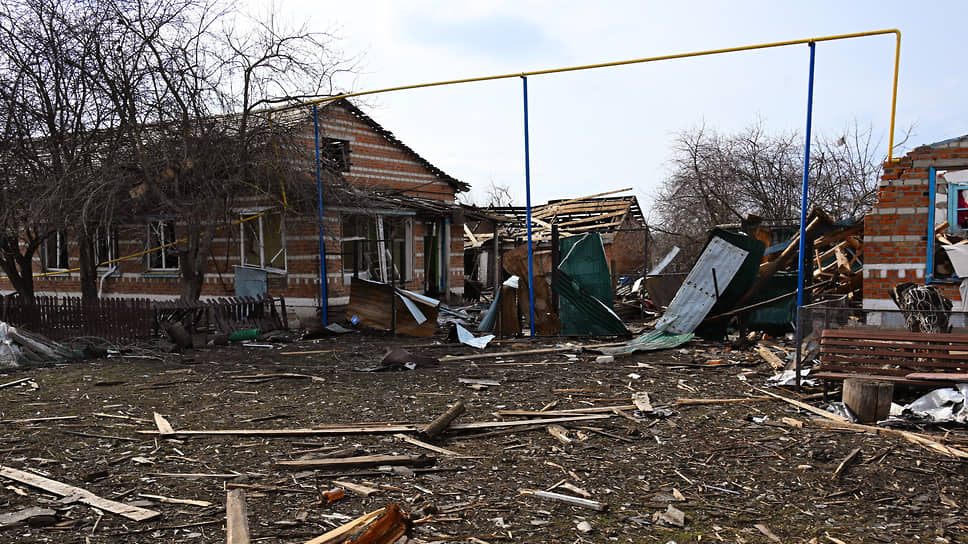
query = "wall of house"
x=896 y=231
x=376 y=162
x=627 y=249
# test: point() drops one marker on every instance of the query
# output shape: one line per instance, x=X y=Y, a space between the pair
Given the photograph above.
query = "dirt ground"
x=737 y=471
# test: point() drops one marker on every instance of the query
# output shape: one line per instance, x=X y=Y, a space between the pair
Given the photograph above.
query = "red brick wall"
x=896 y=232
x=376 y=163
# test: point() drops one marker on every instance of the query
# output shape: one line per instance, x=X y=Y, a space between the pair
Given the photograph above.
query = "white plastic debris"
x=467 y=338
x=789 y=377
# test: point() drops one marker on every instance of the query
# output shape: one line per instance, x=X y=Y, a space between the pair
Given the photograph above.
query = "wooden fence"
x=59 y=318
x=129 y=319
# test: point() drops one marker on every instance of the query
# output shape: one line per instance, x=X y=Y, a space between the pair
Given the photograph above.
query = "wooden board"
x=81 y=495
x=360 y=462
x=364 y=429
x=236 y=518
x=952 y=376
x=878 y=334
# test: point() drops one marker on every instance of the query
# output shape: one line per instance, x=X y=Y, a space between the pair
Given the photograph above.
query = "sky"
x=613 y=128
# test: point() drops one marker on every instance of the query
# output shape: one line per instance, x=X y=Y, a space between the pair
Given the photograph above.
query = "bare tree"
x=50 y=118
x=720 y=179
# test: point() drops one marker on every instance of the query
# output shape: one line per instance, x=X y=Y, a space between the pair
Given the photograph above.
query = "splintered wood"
x=80 y=495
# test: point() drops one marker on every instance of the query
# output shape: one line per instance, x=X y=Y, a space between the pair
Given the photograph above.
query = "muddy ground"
x=736 y=476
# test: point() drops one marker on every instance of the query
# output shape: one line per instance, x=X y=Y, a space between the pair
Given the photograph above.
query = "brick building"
x=921 y=203
x=405 y=226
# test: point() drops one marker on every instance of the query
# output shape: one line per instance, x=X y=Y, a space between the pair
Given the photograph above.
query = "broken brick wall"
x=896 y=232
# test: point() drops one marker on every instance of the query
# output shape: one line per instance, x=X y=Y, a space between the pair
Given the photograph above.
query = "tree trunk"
x=195 y=257
x=19 y=266
x=88 y=268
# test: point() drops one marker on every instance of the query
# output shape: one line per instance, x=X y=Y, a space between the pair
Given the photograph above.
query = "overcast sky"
x=611 y=128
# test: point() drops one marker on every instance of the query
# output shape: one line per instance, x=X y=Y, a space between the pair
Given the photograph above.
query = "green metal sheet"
x=585 y=287
x=650 y=341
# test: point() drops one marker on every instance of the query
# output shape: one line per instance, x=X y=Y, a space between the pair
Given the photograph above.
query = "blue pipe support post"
x=323 y=297
x=801 y=264
x=932 y=194
x=527 y=204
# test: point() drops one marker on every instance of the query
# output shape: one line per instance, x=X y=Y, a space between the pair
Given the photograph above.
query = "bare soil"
x=737 y=471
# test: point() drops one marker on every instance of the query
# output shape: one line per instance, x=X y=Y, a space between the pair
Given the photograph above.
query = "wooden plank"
x=365 y=429
x=20 y=516
x=803 y=405
x=572 y=411
x=81 y=495
x=341 y=533
x=952 y=376
x=874 y=342
x=897 y=352
x=586 y=503
x=15 y=382
x=359 y=462
x=875 y=377
x=431 y=447
x=236 y=517
x=865 y=334
x=882 y=361
x=919 y=439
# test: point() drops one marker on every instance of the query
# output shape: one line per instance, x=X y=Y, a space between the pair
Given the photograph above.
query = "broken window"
x=378 y=247
x=55 y=251
x=263 y=239
x=335 y=154
x=105 y=246
x=958 y=206
x=949 y=218
x=162 y=256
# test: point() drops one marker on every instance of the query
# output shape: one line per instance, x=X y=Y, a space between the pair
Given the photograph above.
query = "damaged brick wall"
x=896 y=231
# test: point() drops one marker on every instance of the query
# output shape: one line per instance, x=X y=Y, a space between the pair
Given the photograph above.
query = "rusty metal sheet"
x=697 y=296
x=372 y=302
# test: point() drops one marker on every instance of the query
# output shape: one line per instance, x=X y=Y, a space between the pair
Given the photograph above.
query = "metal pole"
x=555 y=261
x=801 y=264
x=323 y=298
x=527 y=203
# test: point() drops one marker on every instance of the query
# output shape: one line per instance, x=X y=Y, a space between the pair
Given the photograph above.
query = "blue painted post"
x=323 y=298
x=801 y=265
x=527 y=204
x=932 y=194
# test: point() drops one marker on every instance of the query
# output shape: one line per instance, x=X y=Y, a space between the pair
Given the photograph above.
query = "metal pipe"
x=801 y=258
x=932 y=194
x=527 y=203
x=323 y=298
x=897 y=57
x=806 y=179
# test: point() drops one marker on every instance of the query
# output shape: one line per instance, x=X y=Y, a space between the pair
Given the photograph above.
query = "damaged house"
x=918 y=230
x=619 y=220
x=397 y=222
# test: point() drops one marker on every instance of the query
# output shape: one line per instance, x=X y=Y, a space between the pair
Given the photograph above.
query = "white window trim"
x=248 y=212
x=161 y=242
x=59 y=238
x=112 y=242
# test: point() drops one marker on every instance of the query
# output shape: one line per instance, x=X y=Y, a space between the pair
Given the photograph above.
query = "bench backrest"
x=892 y=353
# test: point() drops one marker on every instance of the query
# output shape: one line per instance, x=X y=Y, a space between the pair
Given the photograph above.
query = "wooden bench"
x=900 y=357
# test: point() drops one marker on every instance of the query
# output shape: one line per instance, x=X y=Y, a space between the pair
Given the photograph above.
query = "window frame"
x=370 y=236
x=62 y=249
x=166 y=253
x=260 y=215
x=953 y=208
x=929 y=277
x=111 y=238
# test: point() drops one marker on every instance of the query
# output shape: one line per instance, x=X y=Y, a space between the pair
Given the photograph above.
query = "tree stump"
x=869 y=400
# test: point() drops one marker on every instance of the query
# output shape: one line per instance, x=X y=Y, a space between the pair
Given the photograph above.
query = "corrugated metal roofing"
x=697 y=295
